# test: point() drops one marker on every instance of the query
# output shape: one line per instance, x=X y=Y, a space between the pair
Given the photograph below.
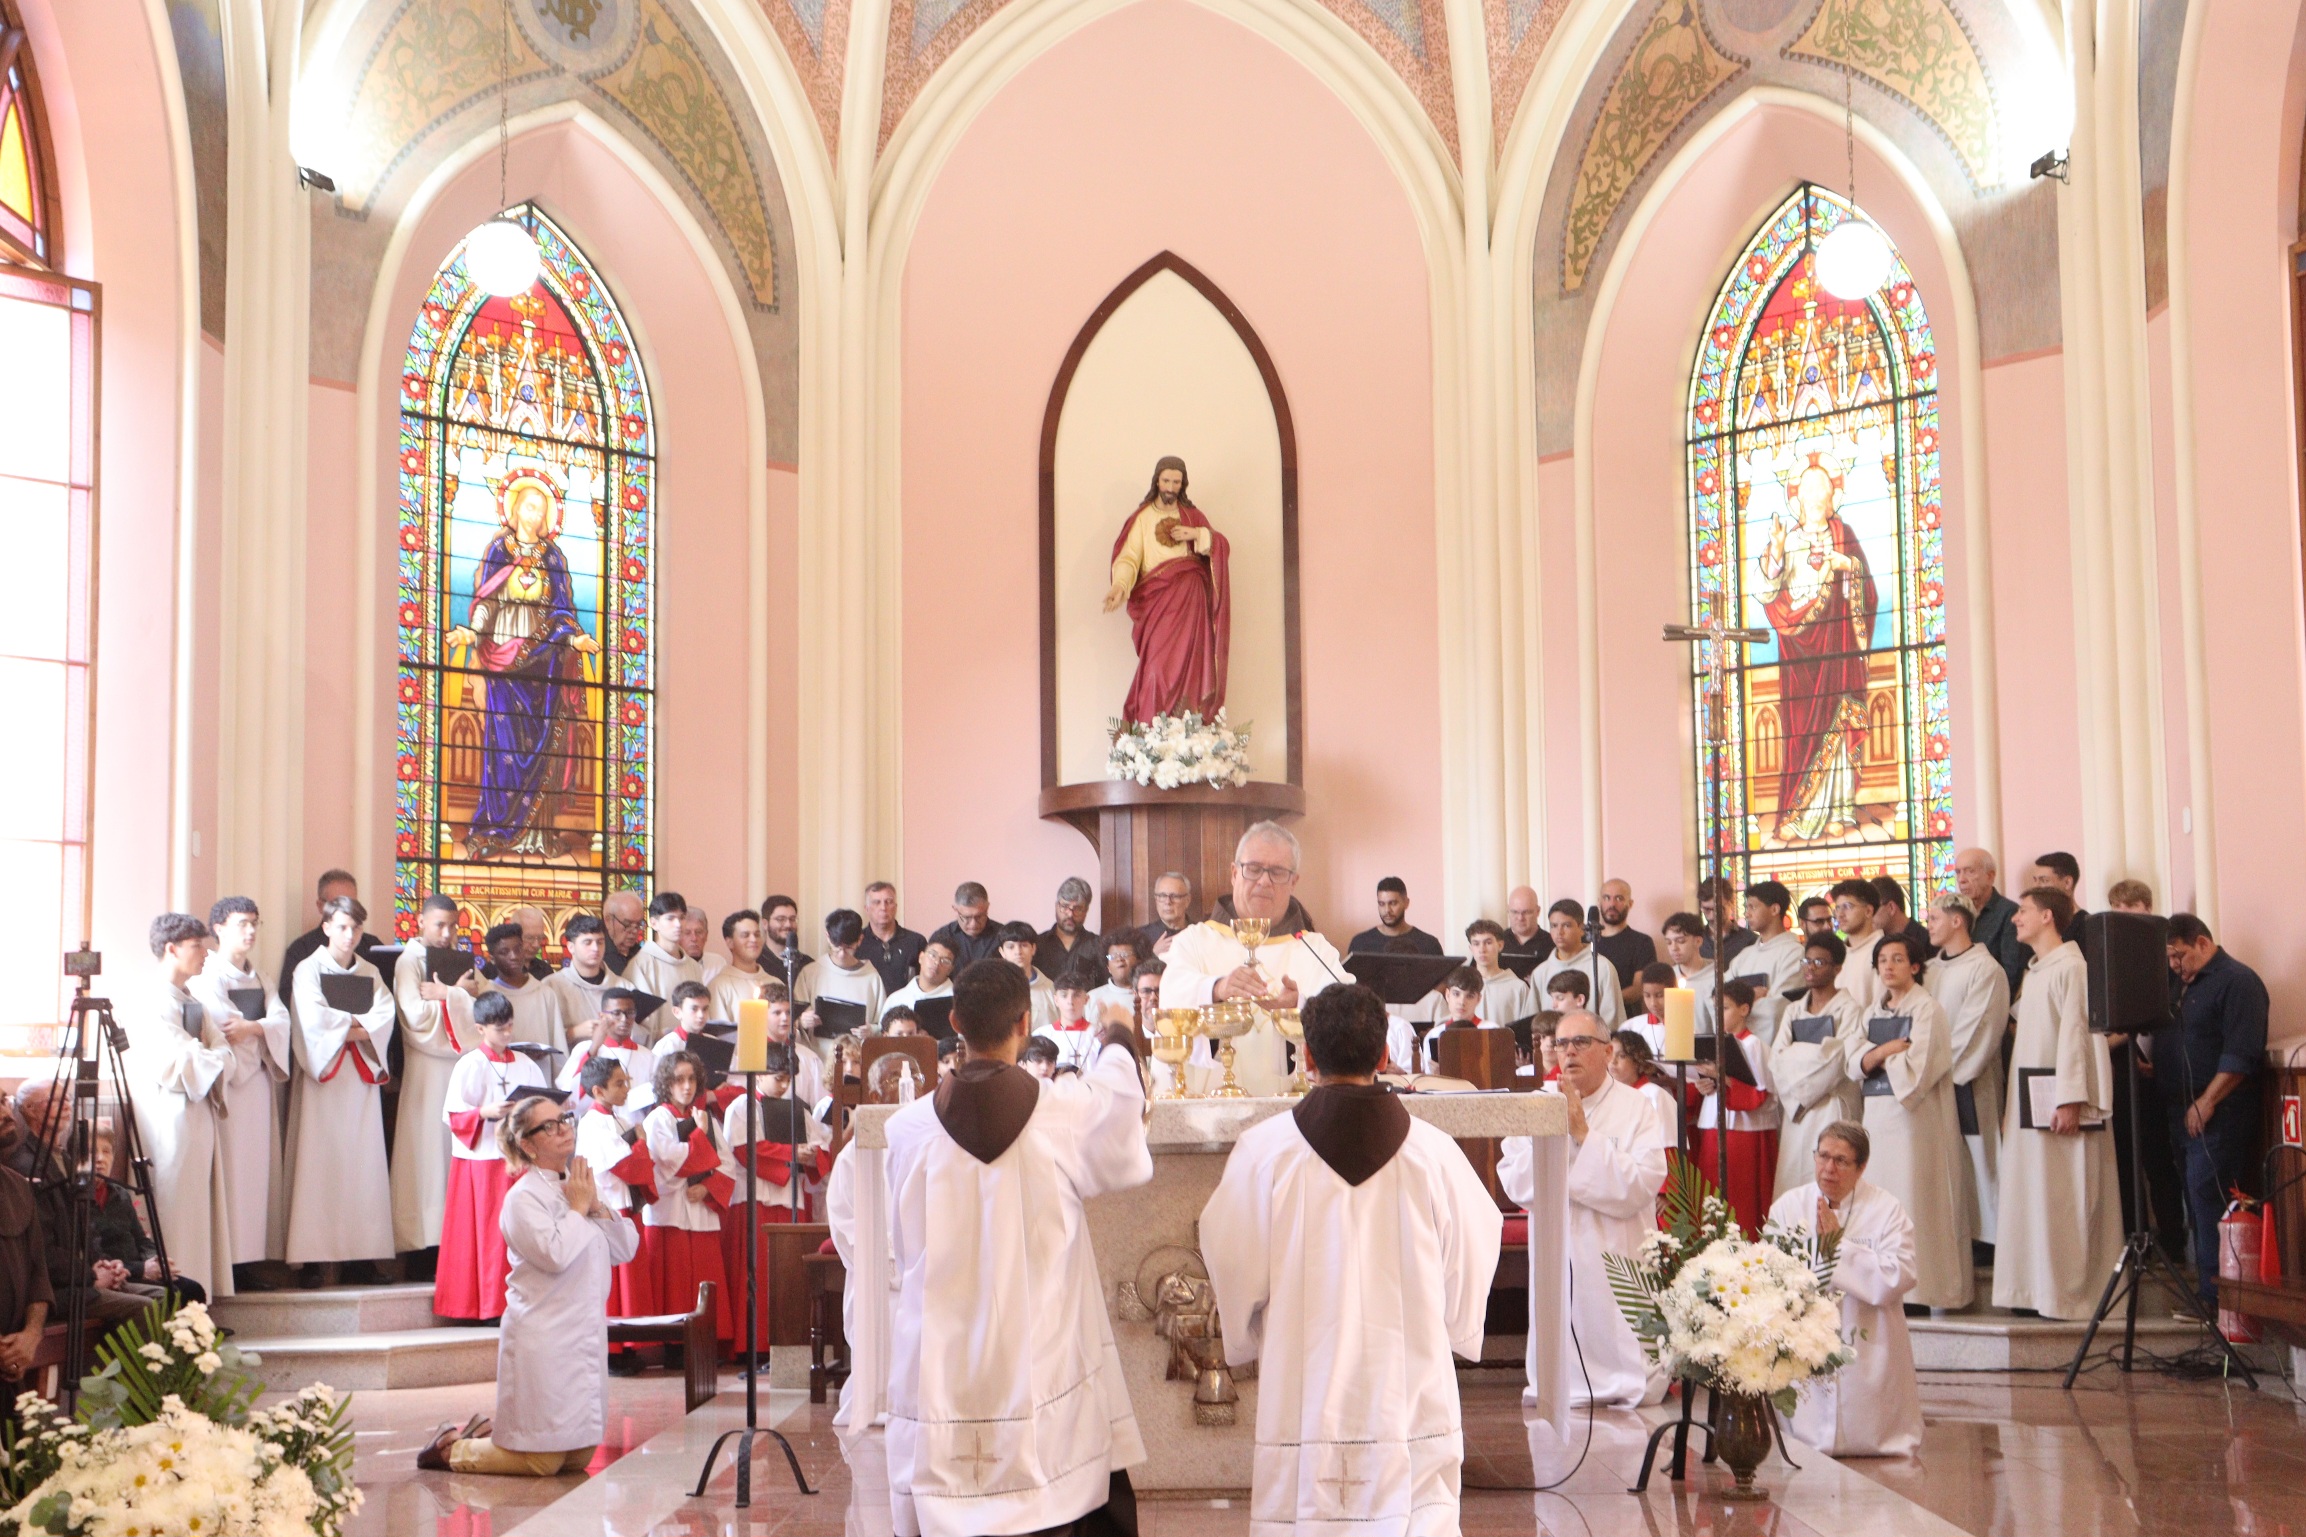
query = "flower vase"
x=1742 y=1435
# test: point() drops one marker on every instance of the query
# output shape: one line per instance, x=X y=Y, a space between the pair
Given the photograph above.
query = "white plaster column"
x=259 y=586
x=2110 y=450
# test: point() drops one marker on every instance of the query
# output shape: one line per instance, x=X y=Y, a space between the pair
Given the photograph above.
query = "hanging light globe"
x=502 y=258
x=1853 y=260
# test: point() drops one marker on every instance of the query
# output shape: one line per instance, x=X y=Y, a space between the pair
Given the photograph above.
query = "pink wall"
x=2240 y=222
x=108 y=118
x=1246 y=166
x=695 y=373
x=1640 y=521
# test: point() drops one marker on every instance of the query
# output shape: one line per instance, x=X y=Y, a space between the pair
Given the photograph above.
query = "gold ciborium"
x=1173 y=1032
x=1291 y=1024
x=1222 y=1023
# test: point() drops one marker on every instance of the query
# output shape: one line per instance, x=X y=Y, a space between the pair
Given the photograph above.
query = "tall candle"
x=1680 y=1025
x=752 y=1036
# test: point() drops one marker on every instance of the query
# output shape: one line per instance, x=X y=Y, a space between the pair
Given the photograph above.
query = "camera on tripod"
x=84 y=964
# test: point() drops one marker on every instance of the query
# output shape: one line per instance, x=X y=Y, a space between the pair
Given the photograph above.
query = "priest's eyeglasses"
x=1266 y=875
x=1577 y=1042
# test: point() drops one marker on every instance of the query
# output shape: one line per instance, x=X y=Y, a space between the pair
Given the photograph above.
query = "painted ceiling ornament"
x=584 y=37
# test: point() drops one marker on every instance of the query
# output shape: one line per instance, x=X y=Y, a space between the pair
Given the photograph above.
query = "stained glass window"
x=1815 y=515
x=526 y=622
x=25 y=212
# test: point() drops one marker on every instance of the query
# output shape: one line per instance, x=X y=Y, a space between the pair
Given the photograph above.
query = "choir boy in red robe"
x=1753 y=1119
x=469 y=1282
x=681 y=1229
x=626 y=1175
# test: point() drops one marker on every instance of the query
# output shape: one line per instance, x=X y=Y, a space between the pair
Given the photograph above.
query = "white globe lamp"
x=502 y=258
x=1853 y=260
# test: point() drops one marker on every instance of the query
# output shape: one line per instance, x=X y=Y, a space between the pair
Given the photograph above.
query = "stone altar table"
x=1139 y=1233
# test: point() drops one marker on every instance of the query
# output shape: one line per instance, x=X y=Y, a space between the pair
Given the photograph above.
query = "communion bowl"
x=1224 y=1021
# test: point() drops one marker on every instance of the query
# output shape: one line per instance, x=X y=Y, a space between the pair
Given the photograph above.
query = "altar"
x=1198 y=1422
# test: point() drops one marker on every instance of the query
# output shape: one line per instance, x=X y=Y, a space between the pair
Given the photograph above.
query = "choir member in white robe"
x=536 y=1015
x=696 y=931
x=986 y=1180
x=742 y=977
x=1206 y=964
x=469 y=1281
x=1854 y=907
x=235 y=993
x=1969 y=983
x=661 y=965
x=436 y=1018
x=1684 y=939
x=1115 y=998
x=1345 y=1220
x=586 y=977
x=611 y=1144
x=1614 y=1177
x=1918 y=1155
x=177 y=1063
x=837 y=974
x=1772 y=964
x=1571 y=953
x=789 y=1150
x=552 y=1359
x=340 y=1193
x=2058 y=1229
x=1873 y=1406
x=618 y=1037
x=1813 y=1075
x=933 y=980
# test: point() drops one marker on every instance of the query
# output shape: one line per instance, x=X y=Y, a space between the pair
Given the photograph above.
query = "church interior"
x=922 y=461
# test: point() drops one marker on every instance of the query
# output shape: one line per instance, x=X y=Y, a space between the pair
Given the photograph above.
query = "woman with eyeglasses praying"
x=552 y=1362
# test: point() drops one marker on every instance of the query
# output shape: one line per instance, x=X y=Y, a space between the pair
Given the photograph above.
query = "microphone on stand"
x=1593 y=949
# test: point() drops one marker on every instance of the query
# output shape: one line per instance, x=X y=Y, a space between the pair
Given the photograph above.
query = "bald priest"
x=1207 y=964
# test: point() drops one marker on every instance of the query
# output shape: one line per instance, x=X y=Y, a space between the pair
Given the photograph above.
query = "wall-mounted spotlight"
x=2051 y=163
x=317 y=181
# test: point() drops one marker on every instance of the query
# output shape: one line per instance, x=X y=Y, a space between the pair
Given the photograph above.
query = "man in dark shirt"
x=1525 y=930
x=1714 y=894
x=1974 y=875
x=625 y=919
x=1172 y=914
x=781 y=952
x=333 y=884
x=2208 y=1068
x=1057 y=944
x=888 y=946
x=972 y=936
x=25 y=1295
x=1393 y=923
x=1620 y=943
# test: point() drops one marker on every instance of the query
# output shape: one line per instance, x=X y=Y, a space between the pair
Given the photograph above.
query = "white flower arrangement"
x=1173 y=750
x=1727 y=1312
x=166 y=1443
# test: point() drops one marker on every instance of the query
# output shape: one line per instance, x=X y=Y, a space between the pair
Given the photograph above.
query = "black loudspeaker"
x=2128 y=957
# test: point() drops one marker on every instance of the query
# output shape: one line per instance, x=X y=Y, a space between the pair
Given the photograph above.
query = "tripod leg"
x=2105 y=1306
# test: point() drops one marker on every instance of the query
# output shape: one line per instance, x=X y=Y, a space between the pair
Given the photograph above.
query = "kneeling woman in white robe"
x=1872 y=1407
x=1349 y=1220
x=552 y=1361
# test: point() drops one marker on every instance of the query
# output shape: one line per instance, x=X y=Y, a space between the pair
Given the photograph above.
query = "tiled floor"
x=2005 y=1456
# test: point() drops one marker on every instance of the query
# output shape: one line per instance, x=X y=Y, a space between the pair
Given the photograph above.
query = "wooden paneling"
x=1140 y=833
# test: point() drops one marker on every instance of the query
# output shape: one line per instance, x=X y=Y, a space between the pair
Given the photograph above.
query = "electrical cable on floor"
x=1579 y=1347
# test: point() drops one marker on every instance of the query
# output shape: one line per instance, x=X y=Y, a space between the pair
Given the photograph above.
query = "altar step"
x=356 y=1339
x=1999 y=1342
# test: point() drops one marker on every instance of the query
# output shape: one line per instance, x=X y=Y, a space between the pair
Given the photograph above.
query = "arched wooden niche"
x=1167 y=364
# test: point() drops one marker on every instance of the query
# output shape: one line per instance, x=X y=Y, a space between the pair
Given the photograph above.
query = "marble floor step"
x=445 y=1356
x=334 y=1310
x=1999 y=1342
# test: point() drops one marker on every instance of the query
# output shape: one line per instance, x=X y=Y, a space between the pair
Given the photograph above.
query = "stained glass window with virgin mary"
x=1815 y=515
x=526 y=509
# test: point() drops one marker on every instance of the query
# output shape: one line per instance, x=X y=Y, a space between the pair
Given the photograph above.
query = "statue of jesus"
x=1169 y=566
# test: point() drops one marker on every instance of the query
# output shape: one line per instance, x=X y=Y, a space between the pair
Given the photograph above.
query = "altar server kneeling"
x=1007 y=1408
x=1872 y=1407
x=552 y=1363
x=1348 y=1219
x=471 y=1279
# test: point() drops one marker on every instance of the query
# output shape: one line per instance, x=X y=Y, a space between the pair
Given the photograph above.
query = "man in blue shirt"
x=2207 y=1068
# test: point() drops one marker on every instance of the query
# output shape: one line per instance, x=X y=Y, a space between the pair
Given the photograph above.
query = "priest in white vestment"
x=340 y=1191
x=1007 y=1410
x=2058 y=1232
x=552 y=1358
x=1349 y=1219
x=1615 y=1173
x=1969 y=983
x=1809 y=1058
x=177 y=1063
x=1206 y=964
x=1871 y=1407
x=437 y=1019
x=236 y=994
x=1908 y=1089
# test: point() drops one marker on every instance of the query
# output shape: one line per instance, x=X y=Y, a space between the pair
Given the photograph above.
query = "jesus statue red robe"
x=1171 y=566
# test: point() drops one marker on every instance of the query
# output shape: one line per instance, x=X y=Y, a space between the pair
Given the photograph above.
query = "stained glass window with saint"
x=1815 y=513
x=525 y=702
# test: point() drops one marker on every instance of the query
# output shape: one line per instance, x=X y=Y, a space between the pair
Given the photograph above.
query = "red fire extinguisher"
x=2240 y=1235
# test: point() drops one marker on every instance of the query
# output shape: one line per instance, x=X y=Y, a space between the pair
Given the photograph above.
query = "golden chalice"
x=1173 y=1032
x=1222 y=1023
x=1291 y=1024
x=1252 y=932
